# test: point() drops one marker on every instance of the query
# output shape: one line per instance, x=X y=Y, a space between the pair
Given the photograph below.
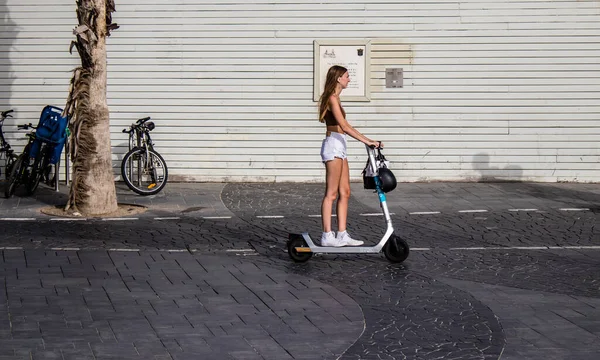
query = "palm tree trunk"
x=93 y=188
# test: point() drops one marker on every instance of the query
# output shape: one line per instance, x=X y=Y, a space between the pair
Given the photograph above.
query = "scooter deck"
x=312 y=247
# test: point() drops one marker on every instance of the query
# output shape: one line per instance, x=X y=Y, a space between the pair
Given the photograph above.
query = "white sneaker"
x=345 y=238
x=329 y=239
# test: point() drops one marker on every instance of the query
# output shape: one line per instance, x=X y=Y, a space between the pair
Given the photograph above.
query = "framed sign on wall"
x=354 y=55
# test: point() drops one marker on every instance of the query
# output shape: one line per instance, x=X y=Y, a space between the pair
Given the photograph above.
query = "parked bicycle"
x=20 y=169
x=6 y=152
x=50 y=138
x=143 y=169
x=41 y=154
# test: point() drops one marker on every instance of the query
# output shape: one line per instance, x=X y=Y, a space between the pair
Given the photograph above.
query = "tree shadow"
x=9 y=36
x=509 y=173
x=6 y=46
x=576 y=194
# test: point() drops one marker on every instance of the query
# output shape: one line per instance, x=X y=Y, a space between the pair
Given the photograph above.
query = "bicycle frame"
x=139 y=137
x=5 y=148
x=4 y=145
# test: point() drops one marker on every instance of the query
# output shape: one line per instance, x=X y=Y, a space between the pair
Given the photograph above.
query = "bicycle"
x=50 y=137
x=6 y=152
x=20 y=169
x=143 y=169
x=41 y=154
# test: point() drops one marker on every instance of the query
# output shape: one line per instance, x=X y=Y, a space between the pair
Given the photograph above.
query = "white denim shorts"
x=334 y=146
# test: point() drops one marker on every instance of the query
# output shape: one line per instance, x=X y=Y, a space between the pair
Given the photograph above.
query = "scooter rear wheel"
x=396 y=249
x=296 y=241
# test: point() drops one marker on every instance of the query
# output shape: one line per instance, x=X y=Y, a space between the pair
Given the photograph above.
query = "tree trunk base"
x=123 y=210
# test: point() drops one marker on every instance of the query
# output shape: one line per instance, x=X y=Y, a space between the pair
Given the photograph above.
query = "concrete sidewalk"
x=189 y=199
x=204 y=199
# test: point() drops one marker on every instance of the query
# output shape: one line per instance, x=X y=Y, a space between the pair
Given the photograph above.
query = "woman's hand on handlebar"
x=376 y=144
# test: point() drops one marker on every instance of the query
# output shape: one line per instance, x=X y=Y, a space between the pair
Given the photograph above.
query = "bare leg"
x=344 y=196
x=332 y=178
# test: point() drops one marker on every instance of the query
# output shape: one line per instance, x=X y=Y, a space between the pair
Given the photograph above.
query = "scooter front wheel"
x=298 y=249
x=396 y=249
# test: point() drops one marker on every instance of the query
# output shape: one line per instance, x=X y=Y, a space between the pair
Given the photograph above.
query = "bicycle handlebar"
x=25 y=126
x=137 y=124
x=141 y=121
x=6 y=113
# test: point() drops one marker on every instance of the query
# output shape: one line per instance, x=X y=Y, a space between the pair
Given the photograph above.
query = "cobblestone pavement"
x=504 y=271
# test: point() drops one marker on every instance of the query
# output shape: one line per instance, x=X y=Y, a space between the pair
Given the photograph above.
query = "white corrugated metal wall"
x=496 y=89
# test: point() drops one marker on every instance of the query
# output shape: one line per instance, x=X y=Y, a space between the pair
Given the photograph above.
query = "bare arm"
x=336 y=108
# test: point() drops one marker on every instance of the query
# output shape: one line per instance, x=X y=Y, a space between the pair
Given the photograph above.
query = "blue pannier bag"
x=51 y=129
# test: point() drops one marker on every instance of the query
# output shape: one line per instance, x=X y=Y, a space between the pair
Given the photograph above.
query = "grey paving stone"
x=110 y=319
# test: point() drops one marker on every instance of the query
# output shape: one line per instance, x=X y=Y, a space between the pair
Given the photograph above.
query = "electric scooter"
x=301 y=247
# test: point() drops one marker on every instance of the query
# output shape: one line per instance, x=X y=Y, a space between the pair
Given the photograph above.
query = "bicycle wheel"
x=10 y=160
x=37 y=170
x=16 y=172
x=144 y=173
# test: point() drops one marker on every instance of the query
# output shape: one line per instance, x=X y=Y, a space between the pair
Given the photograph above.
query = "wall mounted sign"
x=354 y=55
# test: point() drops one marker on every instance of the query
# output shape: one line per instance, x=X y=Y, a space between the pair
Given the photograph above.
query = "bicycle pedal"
x=152 y=186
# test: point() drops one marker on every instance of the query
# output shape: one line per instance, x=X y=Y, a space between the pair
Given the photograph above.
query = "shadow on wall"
x=8 y=35
x=481 y=163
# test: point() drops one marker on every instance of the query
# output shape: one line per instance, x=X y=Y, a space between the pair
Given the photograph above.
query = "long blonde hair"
x=333 y=74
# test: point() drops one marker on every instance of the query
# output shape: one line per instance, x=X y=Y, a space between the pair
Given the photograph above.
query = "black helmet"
x=150 y=125
x=387 y=178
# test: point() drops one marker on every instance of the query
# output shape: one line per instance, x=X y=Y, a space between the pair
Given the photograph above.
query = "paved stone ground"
x=161 y=305
x=204 y=274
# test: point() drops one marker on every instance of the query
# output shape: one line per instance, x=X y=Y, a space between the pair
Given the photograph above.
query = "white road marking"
x=574 y=209
x=270 y=217
x=472 y=211
x=376 y=214
x=216 y=217
x=120 y=219
x=167 y=218
x=529 y=248
x=17 y=219
x=517 y=210
x=425 y=213
x=574 y=247
x=68 y=219
x=251 y=252
x=318 y=216
x=476 y=248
